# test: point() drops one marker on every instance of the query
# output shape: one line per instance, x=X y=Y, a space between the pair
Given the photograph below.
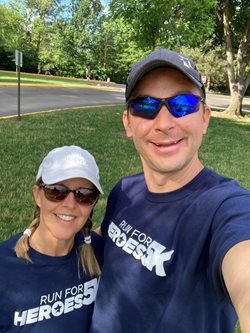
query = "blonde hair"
x=86 y=255
x=22 y=245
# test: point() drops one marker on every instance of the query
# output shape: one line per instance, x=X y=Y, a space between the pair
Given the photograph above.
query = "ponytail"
x=87 y=257
x=22 y=245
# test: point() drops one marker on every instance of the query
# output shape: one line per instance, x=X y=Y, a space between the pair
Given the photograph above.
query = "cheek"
x=46 y=206
x=193 y=125
x=85 y=214
x=141 y=128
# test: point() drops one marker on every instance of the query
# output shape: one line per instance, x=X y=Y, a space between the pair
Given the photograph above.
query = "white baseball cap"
x=69 y=162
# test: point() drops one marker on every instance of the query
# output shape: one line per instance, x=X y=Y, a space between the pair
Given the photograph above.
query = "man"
x=177 y=248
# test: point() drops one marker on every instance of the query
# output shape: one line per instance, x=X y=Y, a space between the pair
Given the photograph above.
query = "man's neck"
x=171 y=181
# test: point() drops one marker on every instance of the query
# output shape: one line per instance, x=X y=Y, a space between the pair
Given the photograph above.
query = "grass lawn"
x=11 y=77
x=24 y=143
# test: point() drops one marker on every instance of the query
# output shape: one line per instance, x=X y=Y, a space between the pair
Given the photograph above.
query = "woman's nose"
x=70 y=200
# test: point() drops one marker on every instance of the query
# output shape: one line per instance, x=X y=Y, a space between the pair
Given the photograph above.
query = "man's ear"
x=126 y=123
x=206 y=118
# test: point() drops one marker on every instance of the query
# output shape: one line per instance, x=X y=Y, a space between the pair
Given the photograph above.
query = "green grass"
x=24 y=143
x=11 y=77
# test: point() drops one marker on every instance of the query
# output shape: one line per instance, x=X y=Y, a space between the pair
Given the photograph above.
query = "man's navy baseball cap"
x=163 y=58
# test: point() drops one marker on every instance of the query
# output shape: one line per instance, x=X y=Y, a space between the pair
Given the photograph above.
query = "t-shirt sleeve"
x=111 y=206
x=98 y=245
x=231 y=226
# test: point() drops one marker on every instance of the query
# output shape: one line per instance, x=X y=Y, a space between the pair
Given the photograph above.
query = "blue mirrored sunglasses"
x=179 y=105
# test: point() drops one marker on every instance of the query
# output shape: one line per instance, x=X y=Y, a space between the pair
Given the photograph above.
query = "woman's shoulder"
x=9 y=243
x=7 y=252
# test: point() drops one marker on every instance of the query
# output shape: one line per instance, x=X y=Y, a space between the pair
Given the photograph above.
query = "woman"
x=49 y=274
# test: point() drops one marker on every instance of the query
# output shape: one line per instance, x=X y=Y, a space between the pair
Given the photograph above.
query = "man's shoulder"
x=218 y=183
x=133 y=180
x=221 y=195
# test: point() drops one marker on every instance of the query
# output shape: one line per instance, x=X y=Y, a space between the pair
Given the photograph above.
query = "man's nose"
x=164 y=118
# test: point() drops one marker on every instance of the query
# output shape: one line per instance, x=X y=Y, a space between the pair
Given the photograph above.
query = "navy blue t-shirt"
x=163 y=255
x=46 y=296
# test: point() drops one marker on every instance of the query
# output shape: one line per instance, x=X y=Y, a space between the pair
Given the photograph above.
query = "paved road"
x=34 y=99
x=222 y=102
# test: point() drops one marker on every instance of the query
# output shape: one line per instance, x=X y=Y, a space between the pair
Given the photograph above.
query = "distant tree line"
x=86 y=38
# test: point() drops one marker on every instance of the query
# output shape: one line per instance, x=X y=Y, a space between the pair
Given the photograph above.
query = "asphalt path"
x=37 y=99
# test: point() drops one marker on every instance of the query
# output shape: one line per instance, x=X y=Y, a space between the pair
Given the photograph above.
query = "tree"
x=115 y=50
x=42 y=14
x=234 y=17
x=84 y=19
x=167 y=23
x=12 y=25
x=177 y=23
x=15 y=34
x=211 y=64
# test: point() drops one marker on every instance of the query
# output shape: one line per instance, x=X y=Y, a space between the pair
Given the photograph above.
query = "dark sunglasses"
x=179 y=105
x=58 y=192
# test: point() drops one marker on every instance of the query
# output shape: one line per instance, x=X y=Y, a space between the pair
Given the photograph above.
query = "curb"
x=56 y=110
x=43 y=85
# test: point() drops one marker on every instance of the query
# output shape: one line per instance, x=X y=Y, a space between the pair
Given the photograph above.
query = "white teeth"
x=66 y=217
x=167 y=144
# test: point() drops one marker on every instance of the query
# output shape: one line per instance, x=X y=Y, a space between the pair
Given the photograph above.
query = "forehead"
x=164 y=82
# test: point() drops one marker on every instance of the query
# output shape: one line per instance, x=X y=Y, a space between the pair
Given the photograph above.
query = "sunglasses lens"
x=145 y=107
x=55 y=192
x=86 y=196
x=182 y=105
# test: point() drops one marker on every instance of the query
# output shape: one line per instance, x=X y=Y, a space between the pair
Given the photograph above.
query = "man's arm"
x=236 y=274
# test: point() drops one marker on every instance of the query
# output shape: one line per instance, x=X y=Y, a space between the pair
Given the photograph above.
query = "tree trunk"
x=229 y=48
x=39 y=68
x=235 y=106
x=237 y=94
x=238 y=77
x=208 y=87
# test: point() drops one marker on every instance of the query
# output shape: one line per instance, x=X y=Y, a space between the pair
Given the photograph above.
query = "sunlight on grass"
x=11 y=77
x=39 y=80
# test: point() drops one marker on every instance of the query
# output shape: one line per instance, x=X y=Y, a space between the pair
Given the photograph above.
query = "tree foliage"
x=46 y=10
x=211 y=64
x=67 y=40
x=170 y=23
x=12 y=26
